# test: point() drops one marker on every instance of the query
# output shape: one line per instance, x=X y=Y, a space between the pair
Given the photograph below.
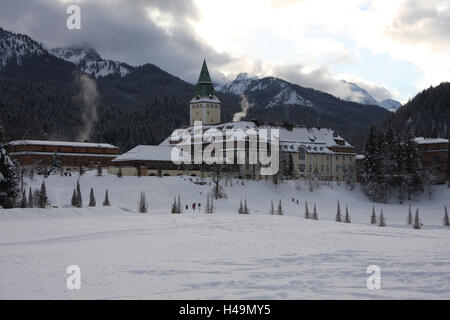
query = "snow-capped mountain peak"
x=238 y=85
x=90 y=61
x=17 y=46
x=361 y=95
x=288 y=96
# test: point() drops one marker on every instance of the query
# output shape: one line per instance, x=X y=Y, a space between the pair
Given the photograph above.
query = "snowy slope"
x=390 y=104
x=361 y=95
x=89 y=61
x=16 y=46
x=288 y=96
x=281 y=92
x=157 y=255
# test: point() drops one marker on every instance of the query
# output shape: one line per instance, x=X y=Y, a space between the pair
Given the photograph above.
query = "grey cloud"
x=322 y=79
x=422 y=22
x=119 y=30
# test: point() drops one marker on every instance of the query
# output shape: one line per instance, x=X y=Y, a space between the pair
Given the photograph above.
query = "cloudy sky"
x=392 y=48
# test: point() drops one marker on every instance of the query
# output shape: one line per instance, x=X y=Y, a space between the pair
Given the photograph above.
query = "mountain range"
x=75 y=94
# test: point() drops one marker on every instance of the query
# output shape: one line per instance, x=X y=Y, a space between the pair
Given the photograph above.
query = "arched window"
x=301 y=153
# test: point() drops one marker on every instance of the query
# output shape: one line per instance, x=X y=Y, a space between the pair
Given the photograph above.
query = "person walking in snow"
x=187 y=208
x=193 y=206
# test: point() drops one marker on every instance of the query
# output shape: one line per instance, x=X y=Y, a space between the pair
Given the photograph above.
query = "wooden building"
x=433 y=153
x=72 y=155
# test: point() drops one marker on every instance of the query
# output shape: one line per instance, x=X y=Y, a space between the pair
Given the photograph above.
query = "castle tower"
x=205 y=106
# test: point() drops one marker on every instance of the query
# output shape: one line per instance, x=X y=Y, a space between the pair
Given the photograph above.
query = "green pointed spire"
x=205 y=86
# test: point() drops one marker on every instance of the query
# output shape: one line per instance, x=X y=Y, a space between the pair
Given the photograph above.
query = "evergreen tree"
x=31 y=173
x=74 y=201
x=79 y=202
x=43 y=201
x=280 y=208
x=382 y=222
x=291 y=166
x=179 y=204
x=106 y=202
x=348 y=219
x=23 y=200
x=174 y=208
x=315 y=214
x=9 y=181
x=30 y=199
x=143 y=205
x=92 y=198
x=373 y=217
x=241 y=208
x=446 y=222
x=211 y=205
x=410 y=218
x=246 y=210
x=307 y=211
x=338 y=214
x=417 y=223
x=119 y=173
x=55 y=164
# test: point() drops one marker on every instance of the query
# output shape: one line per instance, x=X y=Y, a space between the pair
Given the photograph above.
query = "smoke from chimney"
x=89 y=96
x=245 y=105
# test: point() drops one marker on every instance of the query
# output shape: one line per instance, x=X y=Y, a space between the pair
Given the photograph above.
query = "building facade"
x=433 y=153
x=71 y=155
x=304 y=153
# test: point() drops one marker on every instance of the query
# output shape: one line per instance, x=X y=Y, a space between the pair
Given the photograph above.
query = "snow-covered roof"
x=146 y=153
x=211 y=99
x=222 y=127
x=62 y=144
x=359 y=157
x=309 y=135
x=422 y=140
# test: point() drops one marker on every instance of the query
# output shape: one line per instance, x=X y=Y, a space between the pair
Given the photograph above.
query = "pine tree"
x=106 y=202
x=246 y=210
x=143 y=205
x=338 y=214
x=382 y=222
x=79 y=202
x=280 y=208
x=241 y=208
x=179 y=204
x=74 y=201
x=23 y=200
x=307 y=211
x=417 y=223
x=272 y=210
x=410 y=218
x=43 y=201
x=119 y=173
x=55 y=164
x=446 y=222
x=315 y=214
x=174 y=208
x=30 y=199
x=348 y=218
x=373 y=217
x=92 y=198
x=9 y=181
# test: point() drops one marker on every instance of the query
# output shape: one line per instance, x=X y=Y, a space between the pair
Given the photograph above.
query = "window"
x=301 y=168
x=301 y=153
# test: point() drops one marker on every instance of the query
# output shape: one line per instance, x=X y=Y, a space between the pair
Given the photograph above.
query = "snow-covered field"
x=157 y=255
